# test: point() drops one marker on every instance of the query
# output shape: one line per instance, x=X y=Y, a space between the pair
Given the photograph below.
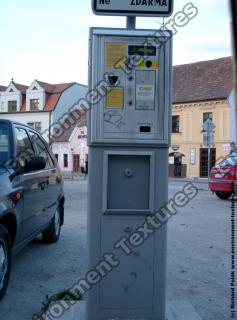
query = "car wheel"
x=5 y=260
x=52 y=233
x=223 y=195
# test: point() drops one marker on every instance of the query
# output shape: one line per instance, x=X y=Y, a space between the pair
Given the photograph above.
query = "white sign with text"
x=158 y=8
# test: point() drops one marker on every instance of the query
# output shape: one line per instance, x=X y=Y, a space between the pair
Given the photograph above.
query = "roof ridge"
x=54 y=88
x=55 y=84
x=20 y=84
x=203 y=61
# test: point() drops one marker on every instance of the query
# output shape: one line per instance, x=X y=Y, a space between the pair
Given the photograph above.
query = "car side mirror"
x=33 y=163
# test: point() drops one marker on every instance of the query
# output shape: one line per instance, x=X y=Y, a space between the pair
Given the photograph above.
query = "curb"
x=197 y=180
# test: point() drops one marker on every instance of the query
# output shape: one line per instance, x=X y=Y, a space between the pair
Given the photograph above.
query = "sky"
x=48 y=40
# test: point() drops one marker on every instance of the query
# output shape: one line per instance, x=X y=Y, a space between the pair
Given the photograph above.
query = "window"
x=41 y=149
x=65 y=161
x=175 y=124
x=228 y=162
x=12 y=106
x=35 y=125
x=31 y=124
x=207 y=115
x=34 y=104
x=24 y=146
x=38 y=126
x=56 y=156
x=192 y=157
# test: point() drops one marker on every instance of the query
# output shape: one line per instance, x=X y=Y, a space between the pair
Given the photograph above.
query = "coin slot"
x=113 y=80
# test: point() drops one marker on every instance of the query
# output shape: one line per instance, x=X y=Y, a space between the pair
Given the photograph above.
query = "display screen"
x=142 y=51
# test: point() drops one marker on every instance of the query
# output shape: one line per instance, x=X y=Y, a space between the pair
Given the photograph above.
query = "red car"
x=223 y=177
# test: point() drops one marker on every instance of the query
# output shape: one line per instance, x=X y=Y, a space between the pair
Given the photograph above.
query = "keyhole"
x=128 y=173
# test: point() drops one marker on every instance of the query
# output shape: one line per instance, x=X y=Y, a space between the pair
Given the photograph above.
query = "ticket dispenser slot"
x=145 y=129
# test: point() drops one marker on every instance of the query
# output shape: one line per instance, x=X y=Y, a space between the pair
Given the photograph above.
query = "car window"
x=233 y=154
x=228 y=162
x=40 y=149
x=23 y=145
x=4 y=144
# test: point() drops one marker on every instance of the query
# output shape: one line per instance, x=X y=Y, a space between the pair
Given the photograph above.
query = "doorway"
x=76 y=163
x=204 y=161
x=177 y=165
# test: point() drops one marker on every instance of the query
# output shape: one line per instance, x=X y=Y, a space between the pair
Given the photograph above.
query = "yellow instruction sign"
x=115 y=98
x=115 y=53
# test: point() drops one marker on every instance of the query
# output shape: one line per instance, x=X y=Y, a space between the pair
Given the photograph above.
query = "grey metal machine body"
x=128 y=138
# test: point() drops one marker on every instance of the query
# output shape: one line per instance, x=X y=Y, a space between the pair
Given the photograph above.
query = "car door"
x=49 y=175
x=31 y=184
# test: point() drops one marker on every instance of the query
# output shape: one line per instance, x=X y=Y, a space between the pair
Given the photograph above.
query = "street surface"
x=198 y=257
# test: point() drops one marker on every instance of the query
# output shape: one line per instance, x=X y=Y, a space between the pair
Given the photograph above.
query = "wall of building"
x=233 y=118
x=26 y=118
x=68 y=98
x=76 y=146
x=190 y=137
x=10 y=96
x=35 y=94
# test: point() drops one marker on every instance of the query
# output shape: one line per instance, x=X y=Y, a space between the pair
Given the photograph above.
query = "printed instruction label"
x=115 y=98
x=145 y=92
x=145 y=97
x=115 y=54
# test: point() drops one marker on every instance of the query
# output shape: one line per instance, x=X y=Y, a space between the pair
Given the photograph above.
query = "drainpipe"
x=233 y=6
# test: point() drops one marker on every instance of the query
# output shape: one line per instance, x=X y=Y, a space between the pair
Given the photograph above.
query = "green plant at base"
x=65 y=295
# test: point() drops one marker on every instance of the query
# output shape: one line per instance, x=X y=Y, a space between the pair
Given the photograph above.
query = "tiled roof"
x=53 y=93
x=51 y=101
x=55 y=88
x=202 y=81
x=21 y=87
x=65 y=136
x=3 y=88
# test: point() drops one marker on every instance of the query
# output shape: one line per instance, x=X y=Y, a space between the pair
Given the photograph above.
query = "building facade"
x=201 y=91
x=71 y=149
x=233 y=118
x=2 y=89
x=41 y=105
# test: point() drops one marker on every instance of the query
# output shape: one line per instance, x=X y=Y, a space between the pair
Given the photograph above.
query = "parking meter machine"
x=128 y=138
